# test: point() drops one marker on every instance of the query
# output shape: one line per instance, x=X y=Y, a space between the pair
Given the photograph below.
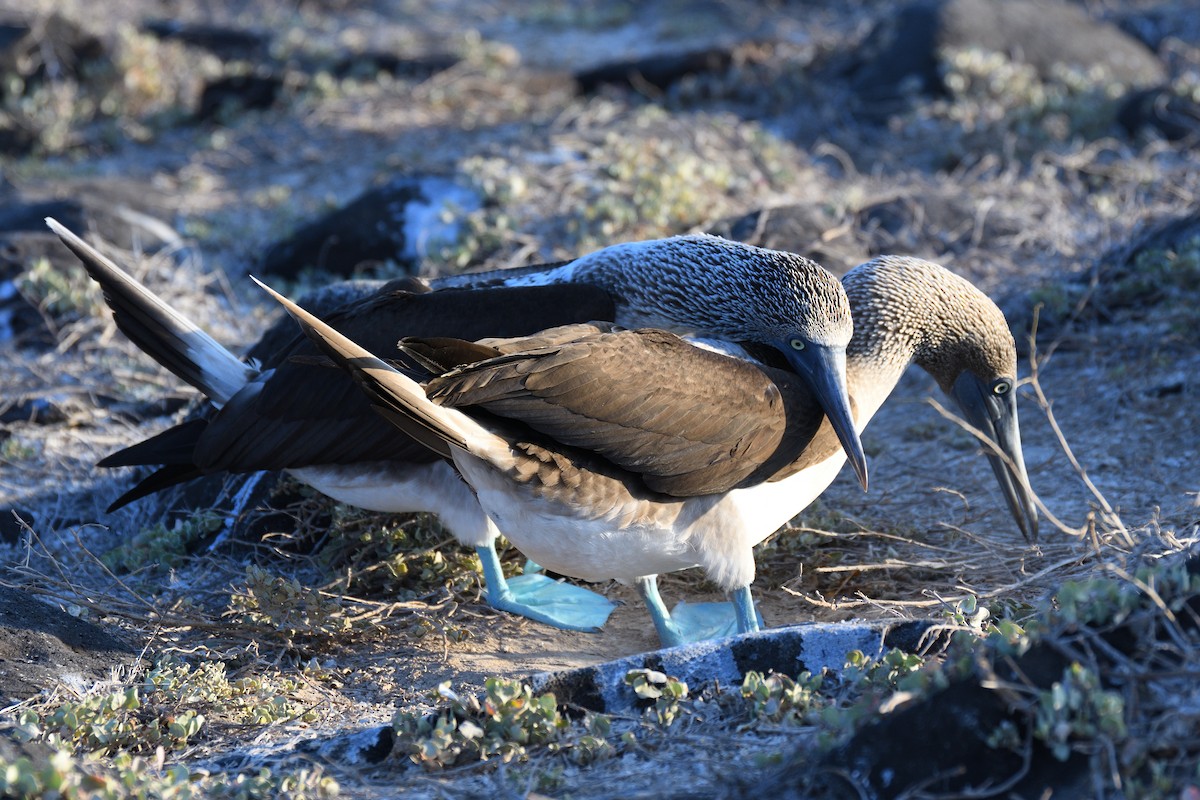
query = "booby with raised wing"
x=625 y=454
x=290 y=413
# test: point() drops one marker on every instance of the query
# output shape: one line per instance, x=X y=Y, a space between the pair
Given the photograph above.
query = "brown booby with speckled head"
x=290 y=413
x=624 y=454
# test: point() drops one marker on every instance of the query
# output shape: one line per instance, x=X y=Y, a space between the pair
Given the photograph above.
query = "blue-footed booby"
x=291 y=413
x=615 y=454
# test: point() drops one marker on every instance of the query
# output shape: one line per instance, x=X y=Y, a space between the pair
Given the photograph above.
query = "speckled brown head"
x=907 y=309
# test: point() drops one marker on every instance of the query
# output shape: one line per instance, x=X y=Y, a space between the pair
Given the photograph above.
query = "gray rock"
x=400 y=221
x=903 y=51
x=41 y=646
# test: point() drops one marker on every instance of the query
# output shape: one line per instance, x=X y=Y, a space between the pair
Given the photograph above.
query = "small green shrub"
x=666 y=692
x=166 y=708
x=780 y=699
x=1075 y=711
x=61 y=293
x=128 y=777
x=508 y=721
x=159 y=548
x=297 y=613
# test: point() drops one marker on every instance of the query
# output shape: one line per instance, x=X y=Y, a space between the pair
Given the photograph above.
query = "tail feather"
x=162 y=478
x=395 y=395
x=163 y=333
x=175 y=445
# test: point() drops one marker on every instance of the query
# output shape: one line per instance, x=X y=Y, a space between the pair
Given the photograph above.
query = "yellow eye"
x=797 y=344
x=1001 y=387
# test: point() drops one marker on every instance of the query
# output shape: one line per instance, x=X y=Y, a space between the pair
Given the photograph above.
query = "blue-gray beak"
x=824 y=369
x=996 y=416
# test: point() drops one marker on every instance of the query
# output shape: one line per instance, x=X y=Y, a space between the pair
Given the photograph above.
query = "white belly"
x=767 y=507
x=398 y=488
x=590 y=548
x=636 y=538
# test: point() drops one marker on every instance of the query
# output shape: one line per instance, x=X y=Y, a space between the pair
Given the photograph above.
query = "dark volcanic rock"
x=1165 y=234
x=10 y=526
x=951 y=754
x=30 y=52
x=397 y=222
x=19 y=318
x=223 y=42
x=940 y=745
x=234 y=93
x=37 y=410
x=125 y=212
x=1154 y=24
x=930 y=223
x=40 y=646
x=17 y=136
x=659 y=70
x=121 y=212
x=1161 y=110
x=31 y=217
x=903 y=51
x=368 y=64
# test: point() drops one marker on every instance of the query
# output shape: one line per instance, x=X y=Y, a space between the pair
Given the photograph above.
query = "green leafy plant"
x=504 y=724
x=160 y=548
x=59 y=292
x=779 y=698
x=297 y=613
x=1075 y=711
x=166 y=708
x=666 y=693
x=128 y=777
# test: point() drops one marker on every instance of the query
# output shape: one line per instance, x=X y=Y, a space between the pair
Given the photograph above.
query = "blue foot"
x=699 y=621
x=542 y=599
x=696 y=622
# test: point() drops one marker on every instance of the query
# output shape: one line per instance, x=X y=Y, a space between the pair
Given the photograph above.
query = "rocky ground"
x=1046 y=151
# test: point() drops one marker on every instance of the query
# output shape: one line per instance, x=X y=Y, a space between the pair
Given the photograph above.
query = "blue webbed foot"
x=696 y=622
x=543 y=599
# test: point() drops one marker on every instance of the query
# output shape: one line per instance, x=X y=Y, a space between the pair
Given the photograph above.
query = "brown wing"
x=686 y=420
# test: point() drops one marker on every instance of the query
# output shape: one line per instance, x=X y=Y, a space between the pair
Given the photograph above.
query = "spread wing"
x=686 y=420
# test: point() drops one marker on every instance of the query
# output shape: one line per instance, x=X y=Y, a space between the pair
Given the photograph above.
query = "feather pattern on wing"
x=686 y=420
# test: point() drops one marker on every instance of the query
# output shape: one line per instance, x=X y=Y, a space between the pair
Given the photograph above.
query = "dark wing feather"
x=687 y=420
x=162 y=478
x=172 y=446
x=303 y=411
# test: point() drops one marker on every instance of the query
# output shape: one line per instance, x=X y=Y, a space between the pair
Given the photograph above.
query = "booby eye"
x=797 y=344
x=1001 y=387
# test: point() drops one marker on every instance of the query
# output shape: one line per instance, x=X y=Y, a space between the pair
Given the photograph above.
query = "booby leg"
x=696 y=622
x=668 y=632
x=748 y=620
x=541 y=598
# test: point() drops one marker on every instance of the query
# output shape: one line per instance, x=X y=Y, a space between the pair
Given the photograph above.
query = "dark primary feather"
x=302 y=411
x=686 y=420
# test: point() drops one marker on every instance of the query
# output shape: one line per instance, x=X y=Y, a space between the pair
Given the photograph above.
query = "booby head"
x=911 y=308
x=742 y=294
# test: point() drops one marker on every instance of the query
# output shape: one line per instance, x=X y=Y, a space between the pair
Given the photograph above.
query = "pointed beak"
x=996 y=416
x=824 y=368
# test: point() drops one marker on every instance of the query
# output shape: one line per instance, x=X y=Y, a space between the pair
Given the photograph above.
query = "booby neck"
x=907 y=310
